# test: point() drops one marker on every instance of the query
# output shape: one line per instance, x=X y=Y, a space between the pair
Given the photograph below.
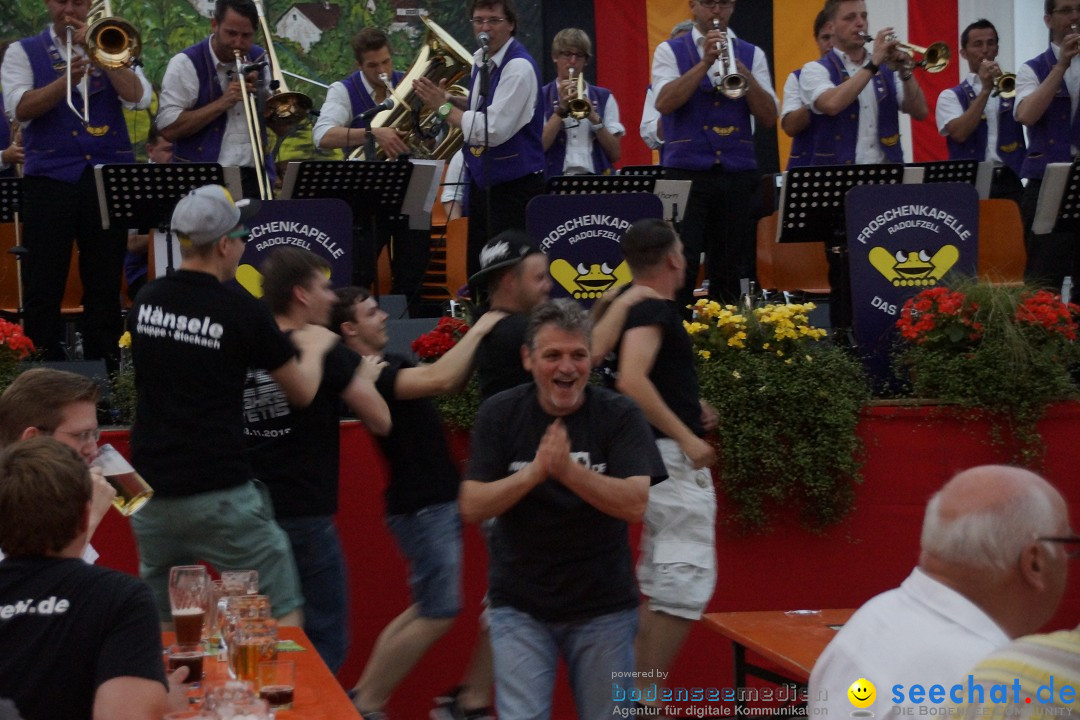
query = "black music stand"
x=655 y=171
x=945 y=171
x=11 y=202
x=594 y=184
x=374 y=191
x=812 y=210
x=1059 y=202
x=143 y=195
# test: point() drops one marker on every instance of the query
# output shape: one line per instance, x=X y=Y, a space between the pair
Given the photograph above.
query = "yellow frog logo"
x=589 y=283
x=914 y=268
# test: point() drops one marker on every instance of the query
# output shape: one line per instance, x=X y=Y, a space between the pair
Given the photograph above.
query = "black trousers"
x=1050 y=256
x=56 y=214
x=410 y=251
x=507 y=202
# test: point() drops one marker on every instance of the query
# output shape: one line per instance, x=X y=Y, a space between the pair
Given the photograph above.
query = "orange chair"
x=795 y=267
x=1001 y=242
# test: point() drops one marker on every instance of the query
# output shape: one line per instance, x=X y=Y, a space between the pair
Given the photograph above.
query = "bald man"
x=989 y=571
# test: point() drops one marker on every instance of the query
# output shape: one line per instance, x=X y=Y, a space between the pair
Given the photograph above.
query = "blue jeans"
x=321 y=565
x=430 y=539
x=527 y=652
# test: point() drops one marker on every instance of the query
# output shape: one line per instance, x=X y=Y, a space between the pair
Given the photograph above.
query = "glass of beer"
x=132 y=491
x=189 y=656
x=254 y=642
x=189 y=590
x=232 y=609
x=277 y=683
x=240 y=582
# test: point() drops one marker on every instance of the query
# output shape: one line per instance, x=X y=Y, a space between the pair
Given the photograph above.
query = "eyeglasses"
x=710 y=4
x=241 y=233
x=82 y=438
x=1071 y=543
x=571 y=55
x=491 y=21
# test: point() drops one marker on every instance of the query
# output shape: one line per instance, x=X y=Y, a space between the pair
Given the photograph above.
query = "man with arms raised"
x=564 y=466
x=986 y=574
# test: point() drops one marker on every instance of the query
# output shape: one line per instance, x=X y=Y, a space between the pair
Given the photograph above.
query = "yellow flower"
x=705 y=354
x=735 y=374
x=125 y=339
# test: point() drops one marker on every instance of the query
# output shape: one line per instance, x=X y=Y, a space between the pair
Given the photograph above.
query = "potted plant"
x=15 y=347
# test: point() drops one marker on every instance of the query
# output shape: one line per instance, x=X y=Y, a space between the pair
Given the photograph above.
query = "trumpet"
x=111 y=43
x=1004 y=85
x=578 y=104
x=254 y=128
x=726 y=78
x=935 y=58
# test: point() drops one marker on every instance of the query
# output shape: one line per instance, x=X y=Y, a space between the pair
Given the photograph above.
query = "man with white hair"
x=989 y=571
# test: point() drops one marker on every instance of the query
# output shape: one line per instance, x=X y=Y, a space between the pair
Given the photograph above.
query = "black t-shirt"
x=553 y=555
x=498 y=359
x=66 y=628
x=422 y=473
x=193 y=340
x=673 y=373
x=295 y=452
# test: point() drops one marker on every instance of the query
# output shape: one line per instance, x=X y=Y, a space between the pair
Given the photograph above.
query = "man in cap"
x=193 y=340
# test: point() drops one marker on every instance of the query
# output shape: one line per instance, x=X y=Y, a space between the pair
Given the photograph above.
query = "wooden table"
x=318 y=695
x=790 y=640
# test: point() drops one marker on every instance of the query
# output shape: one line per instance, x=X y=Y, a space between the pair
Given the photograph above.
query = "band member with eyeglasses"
x=578 y=145
x=501 y=120
x=976 y=123
x=795 y=114
x=201 y=107
x=711 y=143
x=340 y=126
x=1047 y=88
x=60 y=195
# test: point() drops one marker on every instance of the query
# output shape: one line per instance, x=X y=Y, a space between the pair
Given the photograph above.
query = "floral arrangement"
x=1005 y=350
x=458 y=410
x=122 y=397
x=788 y=406
x=15 y=347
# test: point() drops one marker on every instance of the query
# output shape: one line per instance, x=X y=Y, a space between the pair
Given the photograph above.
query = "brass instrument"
x=935 y=58
x=1004 y=85
x=578 y=104
x=726 y=78
x=440 y=57
x=111 y=43
x=254 y=128
x=283 y=108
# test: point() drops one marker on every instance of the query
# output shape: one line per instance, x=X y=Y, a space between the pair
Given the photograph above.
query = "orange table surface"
x=793 y=642
x=318 y=695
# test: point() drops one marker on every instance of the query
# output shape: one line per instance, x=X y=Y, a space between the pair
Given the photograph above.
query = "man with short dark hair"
x=976 y=122
x=795 y=114
x=201 y=106
x=76 y=640
x=193 y=340
x=563 y=466
x=296 y=451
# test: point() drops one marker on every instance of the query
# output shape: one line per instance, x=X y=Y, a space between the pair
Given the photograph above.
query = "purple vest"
x=1050 y=137
x=204 y=146
x=522 y=154
x=709 y=129
x=802 y=145
x=556 y=154
x=58 y=145
x=5 y=137
x=1010 y=141
x=358 y=94
x=835 y=136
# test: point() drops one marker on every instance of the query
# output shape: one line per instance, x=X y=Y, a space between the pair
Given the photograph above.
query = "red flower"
x=436 y=343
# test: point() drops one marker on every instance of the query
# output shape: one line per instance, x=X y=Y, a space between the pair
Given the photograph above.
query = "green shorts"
x=231 y=529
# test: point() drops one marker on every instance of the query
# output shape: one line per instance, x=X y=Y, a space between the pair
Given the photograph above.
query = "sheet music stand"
x=1061 y=202
x=593 y=184
x=656 y=171
x=11 y=202
x=373 y=190
x=143 y=195
x=812 y=210
x=943 y=171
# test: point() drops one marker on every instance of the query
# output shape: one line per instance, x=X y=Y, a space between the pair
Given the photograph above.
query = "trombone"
x=726 y=78
x=578 y=103
x=935 y=58
x=111 y=43
x=254 y=127
x=283 y=108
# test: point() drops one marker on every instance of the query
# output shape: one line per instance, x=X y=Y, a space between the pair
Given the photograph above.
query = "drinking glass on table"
x=277 y=683
x=240 y=582
x=254 y=642
x=234 y=608
x=132 y=492
x=189 y=587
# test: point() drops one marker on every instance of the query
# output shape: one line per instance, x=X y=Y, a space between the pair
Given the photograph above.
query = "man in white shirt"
x=201 y=106
x=652 y=134
x=976 y=122
x=987 y=573
x=576 y=145
x=501 y=121
x=795 y=113
x=709 y=140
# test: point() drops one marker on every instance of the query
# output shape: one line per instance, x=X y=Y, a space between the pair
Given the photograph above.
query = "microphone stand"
x=485 y=86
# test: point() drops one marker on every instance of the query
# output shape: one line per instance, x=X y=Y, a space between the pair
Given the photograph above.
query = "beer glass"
x=240 y=582
x=277 y=683
x=254 y=642
x=189 y=656
x=234 y=608
x=189 y=587
x=132 y=492
x=227 y=693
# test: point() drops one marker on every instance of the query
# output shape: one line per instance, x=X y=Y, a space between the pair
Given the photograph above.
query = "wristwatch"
x=444 y=110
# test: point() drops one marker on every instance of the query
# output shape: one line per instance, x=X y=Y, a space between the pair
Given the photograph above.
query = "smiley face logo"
x=862 y=693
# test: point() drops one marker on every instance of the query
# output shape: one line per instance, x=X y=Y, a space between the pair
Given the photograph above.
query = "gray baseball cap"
x=205 y=214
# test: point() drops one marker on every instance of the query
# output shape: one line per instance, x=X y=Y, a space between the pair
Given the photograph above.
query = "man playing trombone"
x=976 y=116
x=62 y=147
x=582 y=132
x=202 y=99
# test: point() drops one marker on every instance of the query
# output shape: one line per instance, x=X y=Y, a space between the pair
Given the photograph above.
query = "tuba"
x=440 y=58
x=111 y=43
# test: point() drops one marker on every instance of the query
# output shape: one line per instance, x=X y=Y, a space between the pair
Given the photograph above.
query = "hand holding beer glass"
x=132 y=492
x=189 y=591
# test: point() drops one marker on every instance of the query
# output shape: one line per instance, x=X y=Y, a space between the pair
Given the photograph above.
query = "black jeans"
x=508 y=201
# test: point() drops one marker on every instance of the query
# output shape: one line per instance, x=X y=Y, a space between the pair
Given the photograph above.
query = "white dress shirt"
x=17 y=77
x=922 y=632
x=511 y=107
x=650 y=120
x=949 y=108
x=180 y=91
x=815 y=81
x=337 y=110
x=579 y=138
x=793 y=97
x=1027 y=83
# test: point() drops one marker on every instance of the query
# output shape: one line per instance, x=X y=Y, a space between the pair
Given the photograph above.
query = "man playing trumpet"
x=582 y=132
x=202 y=99
x=60 y=194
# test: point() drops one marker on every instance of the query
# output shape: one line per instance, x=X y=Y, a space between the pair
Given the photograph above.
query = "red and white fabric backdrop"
x=627 y=31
